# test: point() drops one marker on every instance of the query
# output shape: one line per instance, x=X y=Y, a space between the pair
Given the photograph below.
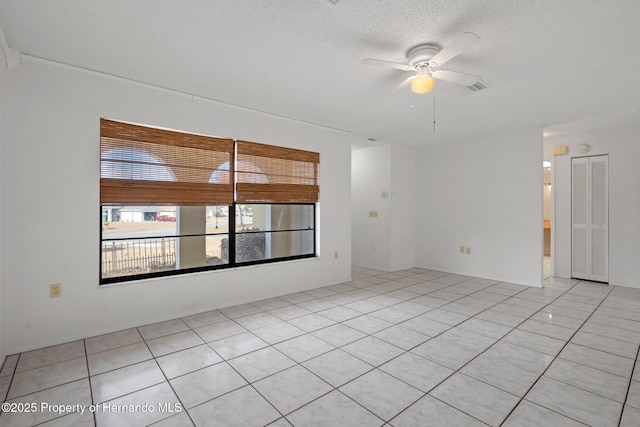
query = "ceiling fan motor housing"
x=420 y=55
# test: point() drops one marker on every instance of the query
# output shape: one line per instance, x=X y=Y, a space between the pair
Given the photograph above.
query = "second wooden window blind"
x=270 y=174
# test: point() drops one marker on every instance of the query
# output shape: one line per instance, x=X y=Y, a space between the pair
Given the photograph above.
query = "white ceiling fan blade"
x=456 y=77
x=455 y=48
x=388 y=64
x=402 y=85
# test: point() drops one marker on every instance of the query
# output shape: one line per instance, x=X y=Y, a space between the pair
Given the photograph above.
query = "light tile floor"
x=546 y=266
x=409 y=348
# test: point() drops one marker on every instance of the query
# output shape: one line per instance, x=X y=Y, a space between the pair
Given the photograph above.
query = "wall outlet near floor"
x=55 y=290
x=468 y=250
x=461 y=249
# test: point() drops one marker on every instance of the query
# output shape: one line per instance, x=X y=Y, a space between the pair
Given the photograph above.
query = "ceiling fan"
x=424 y=60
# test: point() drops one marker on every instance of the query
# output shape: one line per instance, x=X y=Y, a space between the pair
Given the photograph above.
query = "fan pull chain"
x=434 y=115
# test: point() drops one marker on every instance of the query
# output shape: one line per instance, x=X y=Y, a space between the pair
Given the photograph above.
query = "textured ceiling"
x=547 y=62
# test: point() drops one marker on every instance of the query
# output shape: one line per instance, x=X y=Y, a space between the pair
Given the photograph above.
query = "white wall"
x=370 y=176
x=3 y=184
x=403 y=204
x=483 y=194
x=623 y=147
x=383 y=180
x=53 y=207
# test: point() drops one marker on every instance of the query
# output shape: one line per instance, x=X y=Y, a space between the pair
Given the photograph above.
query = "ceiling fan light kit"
x=425 y=59
x=422 y=84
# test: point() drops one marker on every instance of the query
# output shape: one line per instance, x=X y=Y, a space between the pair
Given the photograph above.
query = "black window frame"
x=232 y=236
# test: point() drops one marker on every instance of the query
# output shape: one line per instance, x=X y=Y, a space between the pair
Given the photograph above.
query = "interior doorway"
x=546 y=224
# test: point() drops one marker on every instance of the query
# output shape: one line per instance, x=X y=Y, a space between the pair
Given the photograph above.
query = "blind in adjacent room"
x=270 y=174
x=147 y=166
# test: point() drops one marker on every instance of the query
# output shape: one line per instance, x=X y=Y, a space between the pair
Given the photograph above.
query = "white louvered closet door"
x=599 y=218
x=580 y=218
x=590 y=218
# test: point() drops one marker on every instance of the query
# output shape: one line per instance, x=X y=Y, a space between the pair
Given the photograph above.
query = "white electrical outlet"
x=55 y=290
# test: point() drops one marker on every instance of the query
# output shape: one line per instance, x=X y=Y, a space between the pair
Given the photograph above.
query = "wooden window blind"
x=148 y=166
x=270 y=174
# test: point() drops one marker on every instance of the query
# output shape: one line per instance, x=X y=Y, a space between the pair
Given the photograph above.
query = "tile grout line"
x=407 y=351
x=6 y=398
x=226 y=361
x=497 y=340
x=333 y=388
x=337 y=389
x=459 y=369
x=482 y=352
x=373 y=368
x=184 y=408
x=86 y=360
x=134 y=391
x=554 y=359
x=250 y=383
x=633 y=368
x=451 y=328
x=373 y=335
